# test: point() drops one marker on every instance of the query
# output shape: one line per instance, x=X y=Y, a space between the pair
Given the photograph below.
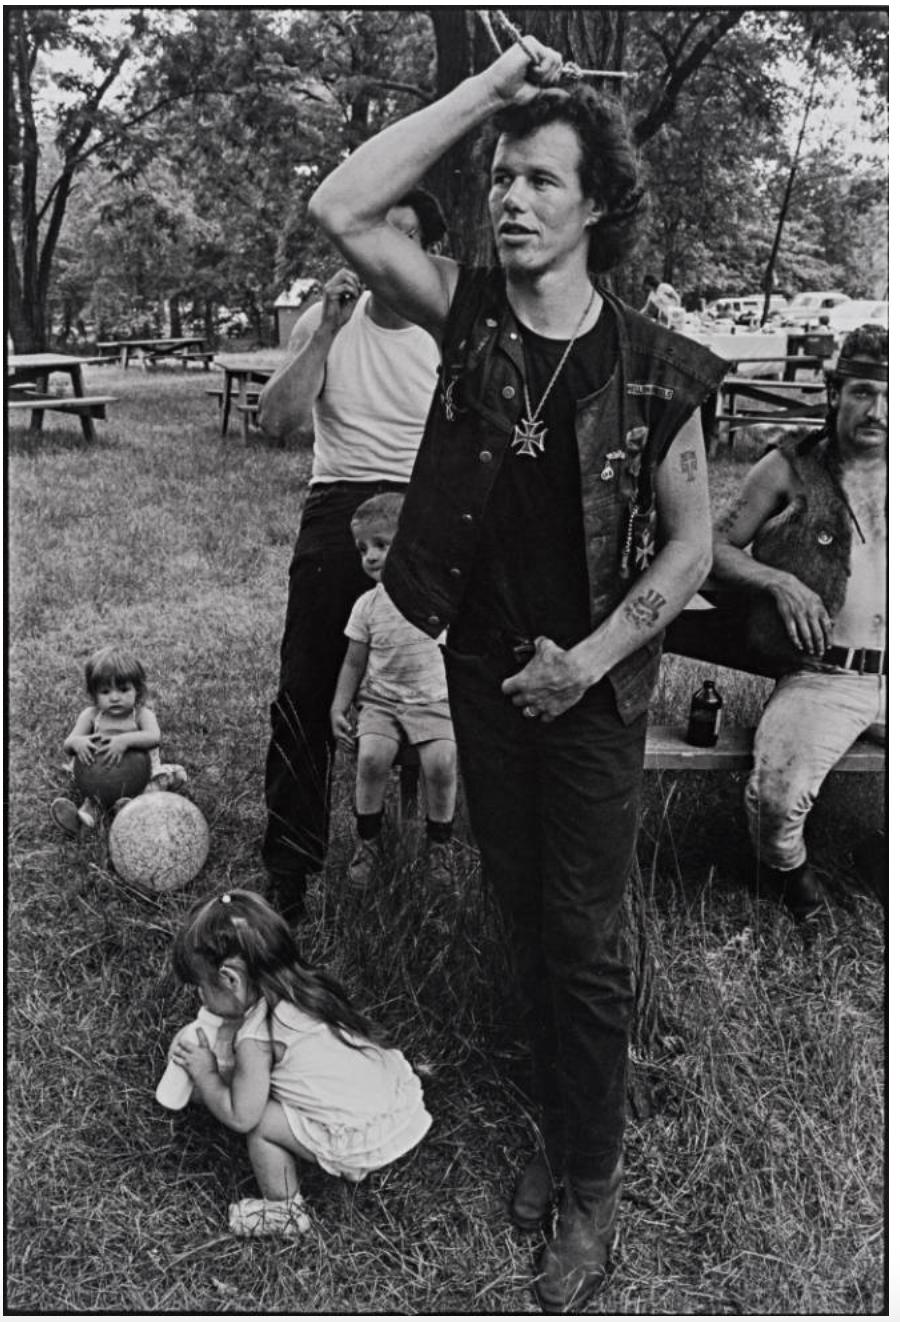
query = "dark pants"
x=554 y=810
x=326 y=577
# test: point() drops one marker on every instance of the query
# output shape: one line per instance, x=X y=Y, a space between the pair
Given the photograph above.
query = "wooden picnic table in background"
x=184 y=348
x=27 y=387
x=243 y=372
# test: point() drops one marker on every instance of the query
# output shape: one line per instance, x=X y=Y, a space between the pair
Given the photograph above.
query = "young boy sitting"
x=397 y=671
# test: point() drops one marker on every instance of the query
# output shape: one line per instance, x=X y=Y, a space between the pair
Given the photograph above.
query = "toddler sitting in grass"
x=117 y=721
x=398 y=673
x=312 y=1078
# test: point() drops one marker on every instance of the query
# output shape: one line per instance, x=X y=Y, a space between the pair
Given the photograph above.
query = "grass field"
x=754 y=1182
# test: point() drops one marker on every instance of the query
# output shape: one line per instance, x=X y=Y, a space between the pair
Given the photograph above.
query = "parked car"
x=812 y=308
x=733 y=307
x=857 y=312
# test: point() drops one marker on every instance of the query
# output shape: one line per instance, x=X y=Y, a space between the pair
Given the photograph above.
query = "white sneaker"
x=252 y=1218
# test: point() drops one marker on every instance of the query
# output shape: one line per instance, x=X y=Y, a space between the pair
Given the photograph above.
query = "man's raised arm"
x=352 y=203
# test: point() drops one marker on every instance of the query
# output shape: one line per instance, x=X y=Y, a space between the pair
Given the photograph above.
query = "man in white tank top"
x=359 y=379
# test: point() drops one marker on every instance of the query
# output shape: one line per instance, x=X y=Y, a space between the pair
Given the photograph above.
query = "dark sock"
x=368 y=824
x=439 y=832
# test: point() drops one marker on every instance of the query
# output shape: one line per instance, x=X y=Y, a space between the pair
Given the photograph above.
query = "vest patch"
x=648 y=388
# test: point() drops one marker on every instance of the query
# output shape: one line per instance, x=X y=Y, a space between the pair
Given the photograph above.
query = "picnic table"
x=243 y=373
x=185 y=348
x=27 y=387
x=782 y=403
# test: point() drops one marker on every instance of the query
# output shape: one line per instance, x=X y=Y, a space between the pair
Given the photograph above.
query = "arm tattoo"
x=731 y=516
x=689 y=465
x=643 y=611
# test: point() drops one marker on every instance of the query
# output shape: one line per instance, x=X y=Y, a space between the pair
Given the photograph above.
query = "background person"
x=813 y=512
x=557 y=518
x=397 y=673
x=362 y=377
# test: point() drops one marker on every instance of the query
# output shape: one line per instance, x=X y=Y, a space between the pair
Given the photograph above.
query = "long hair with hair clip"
x=241 y=924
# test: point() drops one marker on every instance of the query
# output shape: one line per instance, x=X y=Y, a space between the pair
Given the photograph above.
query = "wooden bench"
x=186 y=356
x=87 y=407
x=249 y=412
x=667 y=750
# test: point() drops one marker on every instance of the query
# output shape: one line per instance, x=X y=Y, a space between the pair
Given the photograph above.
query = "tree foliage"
x=165 y=167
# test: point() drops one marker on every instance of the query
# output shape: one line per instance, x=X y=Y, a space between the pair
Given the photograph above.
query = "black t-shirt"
x=530 y=573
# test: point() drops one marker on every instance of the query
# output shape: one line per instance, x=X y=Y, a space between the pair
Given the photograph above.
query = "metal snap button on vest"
x=490 y=321
x=434 y=619
x=485 y=457
x=508 y=392
x=467 y=518
x=824 y=538
x=455 y=571
x=513 y=335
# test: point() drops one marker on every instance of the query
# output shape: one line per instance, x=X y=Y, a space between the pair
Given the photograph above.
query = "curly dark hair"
x=608 y=168
x=869 y=341
x=242 y=924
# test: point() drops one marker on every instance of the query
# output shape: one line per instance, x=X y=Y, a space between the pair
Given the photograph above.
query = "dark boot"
x=287 y=894
x=575 y=1262
x=798 y=890
x=535 y=1191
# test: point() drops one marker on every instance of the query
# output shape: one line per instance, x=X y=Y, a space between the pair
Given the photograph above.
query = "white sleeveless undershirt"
x=372 y=409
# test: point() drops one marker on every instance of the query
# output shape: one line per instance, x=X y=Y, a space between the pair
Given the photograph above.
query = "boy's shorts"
x=418 y=723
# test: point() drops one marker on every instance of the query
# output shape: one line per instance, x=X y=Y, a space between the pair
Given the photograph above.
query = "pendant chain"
x=533 y=416
x=529 y=433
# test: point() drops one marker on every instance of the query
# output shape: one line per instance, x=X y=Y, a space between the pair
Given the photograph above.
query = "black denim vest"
x=623 y=430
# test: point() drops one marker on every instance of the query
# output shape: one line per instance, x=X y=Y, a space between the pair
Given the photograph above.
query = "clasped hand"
x=517 y=77
x=339 y=297
x=195 y=1057
x=549 y=684
x=105 y=748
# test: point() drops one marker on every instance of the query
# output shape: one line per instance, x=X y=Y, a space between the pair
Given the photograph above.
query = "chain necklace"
x=530 y=432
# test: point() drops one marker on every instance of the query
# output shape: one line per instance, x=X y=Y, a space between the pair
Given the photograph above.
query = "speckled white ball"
x=159 y=841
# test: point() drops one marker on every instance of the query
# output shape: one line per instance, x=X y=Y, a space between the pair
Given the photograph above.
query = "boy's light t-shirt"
x=405 y=665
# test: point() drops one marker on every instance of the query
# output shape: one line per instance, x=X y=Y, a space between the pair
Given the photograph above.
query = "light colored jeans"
x=808 y=724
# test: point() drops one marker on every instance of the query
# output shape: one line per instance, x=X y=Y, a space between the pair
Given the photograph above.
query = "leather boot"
x=535 y=1192
x=799 y=891
x=575 y=1262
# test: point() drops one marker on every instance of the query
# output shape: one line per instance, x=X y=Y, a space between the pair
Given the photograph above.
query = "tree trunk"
x=175 y=316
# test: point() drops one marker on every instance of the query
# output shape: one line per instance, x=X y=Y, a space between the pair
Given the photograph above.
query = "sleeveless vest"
x=622 y=432
x=810 y=538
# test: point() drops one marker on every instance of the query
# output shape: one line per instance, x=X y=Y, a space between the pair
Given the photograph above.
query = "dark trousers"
x=326 y=577
x=554 y=810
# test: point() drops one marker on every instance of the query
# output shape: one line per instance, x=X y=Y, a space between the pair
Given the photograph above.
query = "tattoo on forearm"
x=731 y=516
x=643 y=611
x=689 y=465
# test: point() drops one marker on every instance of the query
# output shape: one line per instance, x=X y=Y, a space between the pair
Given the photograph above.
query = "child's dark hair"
x=241 y=924
x=383 y=508
x=114 y=663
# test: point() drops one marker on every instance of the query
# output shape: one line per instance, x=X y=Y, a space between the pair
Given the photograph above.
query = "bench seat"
x=668 y=750
x=93 y=406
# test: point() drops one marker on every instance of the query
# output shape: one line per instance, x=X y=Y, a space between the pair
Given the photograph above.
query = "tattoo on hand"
x=730 y=518
x=689 y=465
x=643 y=612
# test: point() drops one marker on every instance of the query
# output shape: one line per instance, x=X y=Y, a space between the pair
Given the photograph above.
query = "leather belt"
x=511 y=647
x=862 y=660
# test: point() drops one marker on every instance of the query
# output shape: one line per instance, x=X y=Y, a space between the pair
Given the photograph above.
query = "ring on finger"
x=529 y=712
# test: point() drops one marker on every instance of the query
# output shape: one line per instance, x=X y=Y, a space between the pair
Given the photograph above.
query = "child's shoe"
x=252 y=1218
x=364 y=863
x=438 y=864
x=65 y=814
x=170 y=777
x=87 y=814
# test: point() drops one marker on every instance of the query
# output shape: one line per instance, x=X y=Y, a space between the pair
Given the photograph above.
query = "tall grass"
x=754 y=1174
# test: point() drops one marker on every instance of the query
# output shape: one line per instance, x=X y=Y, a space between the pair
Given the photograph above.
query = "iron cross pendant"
x=528 y=437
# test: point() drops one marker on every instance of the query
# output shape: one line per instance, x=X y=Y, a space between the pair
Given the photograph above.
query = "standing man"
x=814 y=512
x=361 y=377
x=557 y=518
